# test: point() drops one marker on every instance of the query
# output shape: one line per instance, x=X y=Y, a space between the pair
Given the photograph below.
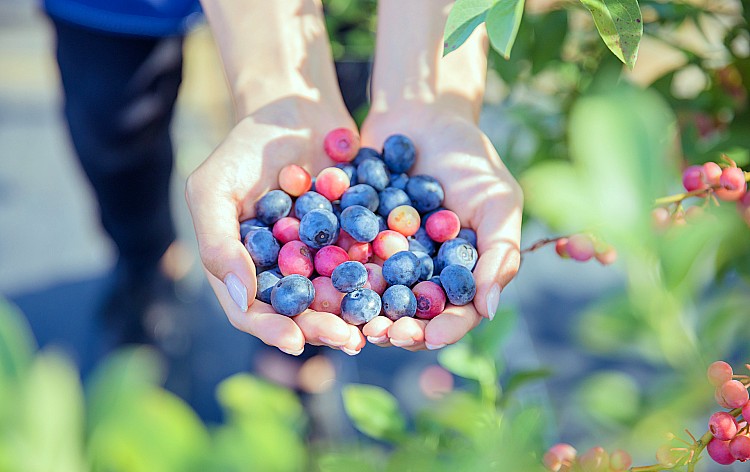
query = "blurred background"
x=579 y=352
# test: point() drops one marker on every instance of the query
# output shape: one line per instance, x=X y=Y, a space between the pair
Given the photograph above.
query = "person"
x=282 y=79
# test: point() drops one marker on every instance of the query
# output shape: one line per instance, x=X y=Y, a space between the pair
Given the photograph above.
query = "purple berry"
x=263 y=247
x=360 y=223
x=292 y=295
x=319 y=228
x=373 y=173
x=349 y=276
x=457 y=251
x=273 y=206
x=360 y=306
x=399 y=153
x=266 y=282
x=425 y=192
x=401 y=268
x=399 y=301
x=458 y=283
x=390 y=198
x=362 y=195
x=310 y=201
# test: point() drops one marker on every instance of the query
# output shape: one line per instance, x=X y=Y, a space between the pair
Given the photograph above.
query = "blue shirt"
x=132 y=17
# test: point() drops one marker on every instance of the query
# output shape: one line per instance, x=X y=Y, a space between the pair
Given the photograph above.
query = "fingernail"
x=237 y=290
x=404 y=343
x=493 y=300
x=292 y=352
x=351 y=352
x=432 y=347
x=330 y=342
x=377 y=339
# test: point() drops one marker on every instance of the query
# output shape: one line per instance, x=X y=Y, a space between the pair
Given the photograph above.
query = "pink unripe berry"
x=360 y=252
x=296 y=258
x=722 y=425
x=559 y=455
x=739 y=447
x=328 y=258
x=743 y=206
x=605 y=254
x=746 y=412
x=552 y=462
x=442 y=226
x=660 y=218
x=733 y=185
x=581 y=247
x=332 y=182
x=693 y=179
x=595 y=459
x=341 y=145
x=294 y=180
x=388 y=243
x=430 y=300
x=561 y=248
x=719 y=451
x=620 y=461
x=719 y=399
x=327 y=298
x=345 y=240
x=404 y=219
x=734 y=393
x=375 y=278
x=719 y=372
x=286 y=229
x=711 y=173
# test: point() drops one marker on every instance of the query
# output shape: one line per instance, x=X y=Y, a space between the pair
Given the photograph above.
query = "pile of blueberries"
x=361 y=239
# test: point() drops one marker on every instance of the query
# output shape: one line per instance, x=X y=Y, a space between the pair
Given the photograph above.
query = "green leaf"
x=503 y=21
x=460 y=360
x=519 y=379
x=374 y=411
x=464 y=17
x=249 y=398
x=620 y=25
x=16 y=344
x=489 y=336
x=610 y=397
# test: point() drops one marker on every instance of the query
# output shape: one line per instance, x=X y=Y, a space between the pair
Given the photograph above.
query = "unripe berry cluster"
x=583 y=247
x=731 y=438
x=563 y=457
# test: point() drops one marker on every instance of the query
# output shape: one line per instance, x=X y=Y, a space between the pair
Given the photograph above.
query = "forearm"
x=273 y=50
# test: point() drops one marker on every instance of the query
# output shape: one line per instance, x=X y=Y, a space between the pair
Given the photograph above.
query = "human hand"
x=479 y=189
x=223 y=191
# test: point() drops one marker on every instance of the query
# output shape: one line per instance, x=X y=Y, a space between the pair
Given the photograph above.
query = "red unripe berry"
x=746 y=412
x=360 y=252
x=559 y=455
x=345 y=240
x=719 y=399
x=388 y=243
x=739 y=447
x=561 y=248
x=719 y=451
x=605 y=254
x=734 y=393
x=341 y=145
x=375 y=278
x=719 y=372
x=332 y=182
x=442 y=226
x=693 y=179
x=581 y=247
x=722 y=425
x=294 y=180
x=286 y=229
x=296 y=258
x=620 y=461
x=733 y=185
x=711 y=173
x=552 y=462
x=595 y=459
x=743 y=206
x=328 y=258
x=430 y=300
x=327 y=298
x=405 y=219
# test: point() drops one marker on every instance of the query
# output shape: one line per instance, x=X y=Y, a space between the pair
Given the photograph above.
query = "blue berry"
x=457 y=251
x=309 y=201
x=425 y=192
x=319 y=228
x=426 y=266
x=399 y=180
x=312 y=184
x=360 y=306
x=469 y=235
x=273 y=206
x=360 y=194
x=365 y=153
x=262 y=246
x=373 y=173
x=391 y=198
x=349 y=169
x=247 y=225
x=382 y=224
x=349 y=276
x=458 y=283
x=421 y=242
x=436 y=280
x=292 y=295
x=399 y=153
x=360 y=223
x=401 y=268
x=267 y=280
x=399 y=301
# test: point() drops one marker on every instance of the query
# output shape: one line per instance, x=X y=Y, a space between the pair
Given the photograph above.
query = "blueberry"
x=292 y=295
x=360 y=306
x=399 y=301
x=266 y=282
x=360 y=223
x=319 y=228
x=362 y=195
x=401 y=268
x=273 y=206
x=382 y=224
x=262 y=246
x=247 y=225
x=457 y=251
x=349 y=276
x=312 y=184
x=421 y=242
x=426 y=266
x=374 y=173
x=350 y=169
x=425 y=192
x=436 y=280
x=336 y=209
x=437 y=265
x=458 y=283
x=469 y=235
x=365 y=153
x=309 y=201
x=399 y=180
x=391 y=198
x=399 y=153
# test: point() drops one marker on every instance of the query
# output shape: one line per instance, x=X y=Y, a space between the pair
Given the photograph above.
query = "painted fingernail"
x=237 y=290
x=404 y=343
x=292 y=352
x=351 y=352
x=330 y=342
x=377 y=339
x=433 y=347
x=493 y=300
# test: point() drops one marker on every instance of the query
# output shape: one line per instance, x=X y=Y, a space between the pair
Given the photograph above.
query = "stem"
x=541 y=243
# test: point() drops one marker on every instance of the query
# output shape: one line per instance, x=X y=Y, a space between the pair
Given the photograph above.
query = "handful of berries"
x=361 y=239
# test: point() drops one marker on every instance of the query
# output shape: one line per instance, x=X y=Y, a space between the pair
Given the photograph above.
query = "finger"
x=356 y=341
x=261 y=321
x=376 y=331
x=407 y=333
x=451 y=325
x=323 y=328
